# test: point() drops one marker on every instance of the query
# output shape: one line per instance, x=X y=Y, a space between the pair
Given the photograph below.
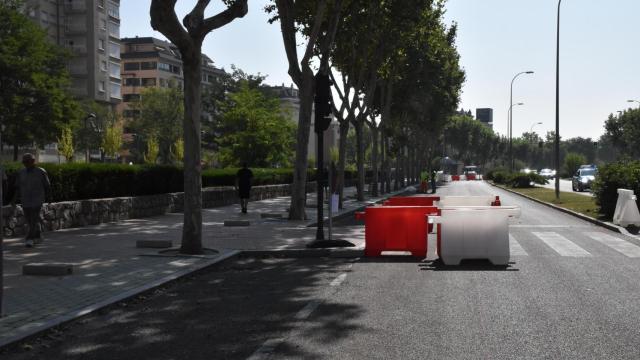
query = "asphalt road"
x=570 y=292
x=565 y=185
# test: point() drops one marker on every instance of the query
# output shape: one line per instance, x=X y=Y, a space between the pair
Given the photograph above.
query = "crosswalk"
x=566 y=244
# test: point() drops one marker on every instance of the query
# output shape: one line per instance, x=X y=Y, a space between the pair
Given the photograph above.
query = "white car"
x=547 y=173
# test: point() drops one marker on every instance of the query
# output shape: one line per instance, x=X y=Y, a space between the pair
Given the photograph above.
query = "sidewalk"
x=108 y=266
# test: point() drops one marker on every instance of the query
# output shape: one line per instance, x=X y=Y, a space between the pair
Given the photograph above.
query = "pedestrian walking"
x=32 y=188
x=433 y=182
x=243 y=185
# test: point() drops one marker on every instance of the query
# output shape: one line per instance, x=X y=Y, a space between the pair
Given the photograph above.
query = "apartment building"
x=150 y=62
x=90 y=29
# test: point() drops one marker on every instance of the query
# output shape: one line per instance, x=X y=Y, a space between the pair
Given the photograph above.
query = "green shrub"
x=521 y=180
x=490 y=174
x=572 y=163
x=610 y=178
x=78 y=181
x=501 y=177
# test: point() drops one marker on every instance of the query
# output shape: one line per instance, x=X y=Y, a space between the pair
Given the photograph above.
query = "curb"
x=76 y=314
x=603 y=224
x=350 y=212
x=306 y=253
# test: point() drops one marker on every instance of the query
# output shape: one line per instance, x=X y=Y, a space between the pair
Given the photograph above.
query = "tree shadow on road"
x=225 y=312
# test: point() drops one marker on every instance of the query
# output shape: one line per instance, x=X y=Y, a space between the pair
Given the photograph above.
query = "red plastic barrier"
x=471 y=177
x=411 y=200
x=396 y=228
x=455 y=177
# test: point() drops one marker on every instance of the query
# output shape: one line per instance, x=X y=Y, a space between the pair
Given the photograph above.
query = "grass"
x=585 y=205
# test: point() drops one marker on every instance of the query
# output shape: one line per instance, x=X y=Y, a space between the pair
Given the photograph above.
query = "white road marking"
x=561 y=245
x=269 y=347
x=307 y=310
x=265 y=351
x=549 y=226
x=515 y=248
x=619 y=245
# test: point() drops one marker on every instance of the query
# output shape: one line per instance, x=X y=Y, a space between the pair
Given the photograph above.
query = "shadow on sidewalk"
x=225 y=312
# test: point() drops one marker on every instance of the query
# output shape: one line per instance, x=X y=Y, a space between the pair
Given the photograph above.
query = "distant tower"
x=485 y=116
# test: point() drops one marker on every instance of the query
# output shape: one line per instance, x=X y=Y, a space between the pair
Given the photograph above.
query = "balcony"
x=75 y=29
x=75 y=6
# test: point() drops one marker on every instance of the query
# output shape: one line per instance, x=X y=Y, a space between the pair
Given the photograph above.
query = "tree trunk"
x=374 y=161
x=396 y=186
x=388 y=164
x=342 y=154
x=192 y=228
x=360 y=157
x=298 y=193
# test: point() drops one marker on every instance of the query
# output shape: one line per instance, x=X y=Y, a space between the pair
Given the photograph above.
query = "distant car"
x=583 y=179
x=547 y=173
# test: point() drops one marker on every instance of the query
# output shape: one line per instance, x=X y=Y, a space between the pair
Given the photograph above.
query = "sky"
x=497 y=39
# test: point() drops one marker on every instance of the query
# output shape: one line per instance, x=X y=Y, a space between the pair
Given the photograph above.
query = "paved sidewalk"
x=109 y=267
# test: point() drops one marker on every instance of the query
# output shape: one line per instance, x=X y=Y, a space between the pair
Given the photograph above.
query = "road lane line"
x=515 y=248
x=337 y=281
x=561 y=245
x=265 y=351
x=307 y=310
x=625 y=248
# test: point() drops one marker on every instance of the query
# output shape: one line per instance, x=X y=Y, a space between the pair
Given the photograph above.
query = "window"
x=103 y=65
x=100 y=44
x=132 y=82
x=114 y=50
x=103 y=24
x=132 y=66
x=101 y=86
x=113 y=10
x=149 y=82
x=163 y=82
x=165 y=67
x=130 y=97
x=101 y=4
x=114 y=29
x=44 y=17
x=114 y=70
x=115 y=90
x=175 y=69
x=148 y=65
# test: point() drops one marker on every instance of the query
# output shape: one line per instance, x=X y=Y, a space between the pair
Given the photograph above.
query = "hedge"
x=610 y=178
x=92 y=181
x=517 y=180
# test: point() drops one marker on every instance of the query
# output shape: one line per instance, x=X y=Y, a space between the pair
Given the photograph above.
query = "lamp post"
x=557 y=144
x=633 y=101
x=511 y=116
x=534 y=124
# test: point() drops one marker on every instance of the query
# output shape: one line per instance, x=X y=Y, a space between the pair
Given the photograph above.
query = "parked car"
x=547 y=173
x=583 y=178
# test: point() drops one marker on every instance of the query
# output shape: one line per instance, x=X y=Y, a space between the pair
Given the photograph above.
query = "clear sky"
x=599 y=67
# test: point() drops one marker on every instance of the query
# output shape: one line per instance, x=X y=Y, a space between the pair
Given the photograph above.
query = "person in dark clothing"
x=32 y=187
x=243 y=185
x=433 y=182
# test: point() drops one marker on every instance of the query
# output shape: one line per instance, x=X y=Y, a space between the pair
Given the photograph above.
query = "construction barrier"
x=626 y=212
x=396 y=228
x=423 y=200
x=485 y=200
x=471 y=177
x=474 y=232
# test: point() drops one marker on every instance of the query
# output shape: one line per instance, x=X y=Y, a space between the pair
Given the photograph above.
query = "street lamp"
x=511 y=116
x=557 y=144
x=534 y=124
x=633 y=101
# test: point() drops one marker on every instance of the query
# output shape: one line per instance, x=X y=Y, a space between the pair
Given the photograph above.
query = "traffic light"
x=322 y=102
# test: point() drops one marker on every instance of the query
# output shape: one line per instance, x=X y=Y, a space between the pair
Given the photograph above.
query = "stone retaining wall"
x=71 y=214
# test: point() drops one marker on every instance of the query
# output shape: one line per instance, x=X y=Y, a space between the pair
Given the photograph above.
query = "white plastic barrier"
x=463 y=177
x=447 y=178
x=475 y=232
x=484 y=200
x=626 y=209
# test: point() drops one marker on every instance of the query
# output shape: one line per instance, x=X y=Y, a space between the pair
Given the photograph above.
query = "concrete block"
x=47 y=269
x=271 y=216
x=236 y=223
x=154 y=244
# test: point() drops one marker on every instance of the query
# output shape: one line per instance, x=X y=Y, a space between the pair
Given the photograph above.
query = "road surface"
x=565 y=186
x=570 y=292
